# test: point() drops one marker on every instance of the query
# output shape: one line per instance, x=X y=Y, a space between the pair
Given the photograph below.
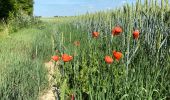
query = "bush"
x=21 y=20
x=7 y=6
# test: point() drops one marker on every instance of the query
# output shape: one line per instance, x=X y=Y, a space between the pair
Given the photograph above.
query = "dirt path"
x=48 y=94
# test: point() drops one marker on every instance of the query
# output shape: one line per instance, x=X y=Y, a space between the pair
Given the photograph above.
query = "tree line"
x=13 y=6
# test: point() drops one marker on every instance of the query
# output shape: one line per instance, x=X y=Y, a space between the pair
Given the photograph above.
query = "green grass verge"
x=22 y=57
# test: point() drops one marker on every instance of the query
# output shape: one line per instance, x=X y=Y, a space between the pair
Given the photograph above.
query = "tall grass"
x=144 y=71
x=22 y=57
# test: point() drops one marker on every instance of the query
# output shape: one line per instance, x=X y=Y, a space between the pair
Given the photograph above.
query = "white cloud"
x=88 y=6
x=124 y=1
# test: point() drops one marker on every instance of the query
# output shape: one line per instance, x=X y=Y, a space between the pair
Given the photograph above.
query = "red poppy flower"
x=117 y=55
x=55 y=58
x=77 y=43
x=66 y=57
x=95 y=34
x=72 y=97
x=108 y=59
x=116 y=30
x=136 y=34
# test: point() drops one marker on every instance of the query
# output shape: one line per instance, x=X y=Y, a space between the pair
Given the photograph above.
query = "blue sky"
x=48 y=8
x=73 y=7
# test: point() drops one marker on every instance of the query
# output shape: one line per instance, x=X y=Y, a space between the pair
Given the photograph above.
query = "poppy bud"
x=136 y=34
x=108 y=59
x=55 y=58
x=95 y=34
x=117 y=55
x=116 y=30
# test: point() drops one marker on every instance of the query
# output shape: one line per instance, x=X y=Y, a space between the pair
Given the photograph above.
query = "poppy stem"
x=111 y=38
x=110 y=43
x=54 y=65
x=63 y=70
x=70 y=37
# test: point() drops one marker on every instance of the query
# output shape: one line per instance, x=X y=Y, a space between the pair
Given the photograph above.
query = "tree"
x=7 y=6
x=26 y=5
